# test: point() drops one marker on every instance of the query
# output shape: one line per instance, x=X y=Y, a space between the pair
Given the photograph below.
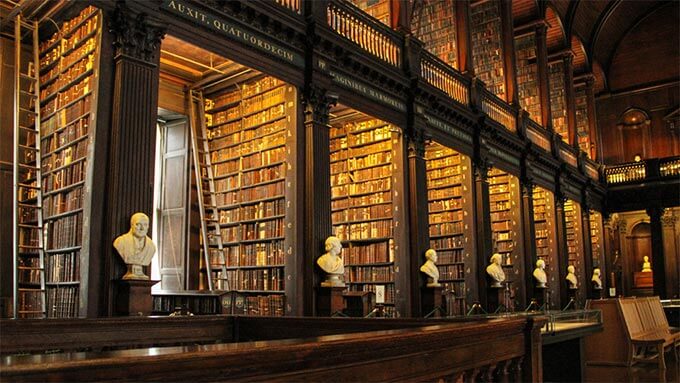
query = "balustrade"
x=372 y=36
x=498 y=111
x=444 y=78
x=538 y=135
x=293 y=5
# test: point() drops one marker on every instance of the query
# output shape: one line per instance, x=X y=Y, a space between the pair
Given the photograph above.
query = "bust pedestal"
x=596 y=292
x=329 y=300
x=432 y=301
x=133 y=297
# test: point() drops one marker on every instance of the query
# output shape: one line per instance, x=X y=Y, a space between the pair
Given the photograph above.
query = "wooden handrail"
x=293 y=5
x=538 y=135
x=371 y=35
x=508 y=349
x=436 y=73
x=498 y=110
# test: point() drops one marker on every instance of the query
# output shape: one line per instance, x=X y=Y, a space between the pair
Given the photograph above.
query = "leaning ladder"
x=211 y=236
x=28 y=236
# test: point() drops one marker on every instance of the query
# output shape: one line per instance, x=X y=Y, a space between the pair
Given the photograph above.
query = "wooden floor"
x=641 y=372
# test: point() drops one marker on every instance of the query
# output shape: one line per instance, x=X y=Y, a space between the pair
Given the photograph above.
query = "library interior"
x=340 y=190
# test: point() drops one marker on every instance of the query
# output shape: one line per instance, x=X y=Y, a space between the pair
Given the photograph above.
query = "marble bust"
x=597 y=282
x=540 y=275
x=495 y=270
x=430 y=268
x=571 y=277
x=331 y=263
x=646 y=266
x=135 y=247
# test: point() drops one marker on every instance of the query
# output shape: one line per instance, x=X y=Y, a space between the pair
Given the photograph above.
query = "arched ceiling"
x=524 y=11
x=555 y=39
x=601 y=26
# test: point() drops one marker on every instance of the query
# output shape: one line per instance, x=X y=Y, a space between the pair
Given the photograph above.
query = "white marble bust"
x=539 y=274
x=597 y=282
x=646 y=266
x=430 y=268
x=495 y=270
x=571 y=277
x=331 y=263
x=135 y=247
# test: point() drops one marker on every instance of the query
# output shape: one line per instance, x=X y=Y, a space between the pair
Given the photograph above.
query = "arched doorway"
x=640 y=246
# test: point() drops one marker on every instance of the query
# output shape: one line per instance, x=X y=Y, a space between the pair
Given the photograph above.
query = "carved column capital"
x=416 y=143
x=482 y=166
x=668 y=219
x=135 y=35
x=317 y=103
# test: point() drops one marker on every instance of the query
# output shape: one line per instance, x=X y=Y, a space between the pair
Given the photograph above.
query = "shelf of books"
x=191 y=302
x=572 y=221
x=69 y=62
x=249 y=129
x=558 y=99
x=506 y=221
x=364 y=161
x=546 y=241
x=378 y=9
x=450 y=226
x=487 y=45
x=437 y=30
x=582 y=123
x=596 y=239
x=527 y=75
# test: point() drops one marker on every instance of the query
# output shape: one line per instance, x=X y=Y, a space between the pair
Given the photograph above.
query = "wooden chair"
x=647 y=331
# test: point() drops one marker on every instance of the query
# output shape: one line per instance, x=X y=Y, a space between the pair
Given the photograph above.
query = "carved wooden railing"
x=538 y=135
x=371 y=35
x=498 y=110
x=436 y=73
x=669 y=167
x=625 y=173
x=293 y=5
x=568 y=155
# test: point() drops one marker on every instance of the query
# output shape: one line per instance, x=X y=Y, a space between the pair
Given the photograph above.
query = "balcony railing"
x=368 y=33
x=625 y=173
x=669 y=167
x=648 y=170
x=498 y=110
x=591 y=171
x=293 y=5
x=443 y=77
x=538 y=135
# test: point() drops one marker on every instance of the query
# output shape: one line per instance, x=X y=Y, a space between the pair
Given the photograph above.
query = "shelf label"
x=233 y=31
x=367 y=91
x=448 y=129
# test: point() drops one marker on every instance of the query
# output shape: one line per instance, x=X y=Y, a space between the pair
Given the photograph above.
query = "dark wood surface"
x=500 y=347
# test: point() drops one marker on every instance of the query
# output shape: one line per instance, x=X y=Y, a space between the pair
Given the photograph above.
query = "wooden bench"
x=647 y=329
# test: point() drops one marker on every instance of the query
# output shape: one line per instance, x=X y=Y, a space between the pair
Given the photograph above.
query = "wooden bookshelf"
x=68 y=75
x=596 y=239
x=378 y=9
x=558 y=99
x=572 y=219
x=506 y=221
x=437 y=30
x=448 y=196
x=546 y=240
x=363 y=153
x=527 y=75
x=248 y=132
x=487 y=45
x=582 y=123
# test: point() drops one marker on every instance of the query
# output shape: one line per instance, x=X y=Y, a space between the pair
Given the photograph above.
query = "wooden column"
x=130 y=176
x=317 y=190
x=670 y=246
x=508 y=36
x=463 y=37
x=568 y=59
x=587 y=251
x=418 y=217
x=595 y=148
x=529 y=230
x=543 y=75
x=658 y=261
